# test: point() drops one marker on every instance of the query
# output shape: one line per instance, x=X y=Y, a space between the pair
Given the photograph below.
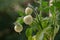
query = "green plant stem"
x=38 y=20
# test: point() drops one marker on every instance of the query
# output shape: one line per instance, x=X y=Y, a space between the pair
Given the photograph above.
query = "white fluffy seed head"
x=28 y=11
x=28 y=19
x=18 y=28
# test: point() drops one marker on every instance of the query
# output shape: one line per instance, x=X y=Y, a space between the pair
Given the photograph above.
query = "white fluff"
x=28 y=10
x=18 y=28
x=28 y=19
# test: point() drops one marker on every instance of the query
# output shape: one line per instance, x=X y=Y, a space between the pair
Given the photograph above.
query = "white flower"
x=18 y=28
x=28 y=19
x=28 y=10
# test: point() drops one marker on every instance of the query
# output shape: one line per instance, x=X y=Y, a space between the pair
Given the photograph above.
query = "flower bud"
x=28 y=10
x=18 y=28
x=28 y=19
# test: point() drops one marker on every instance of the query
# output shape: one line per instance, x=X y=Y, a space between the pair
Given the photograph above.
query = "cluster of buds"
x=28 y=19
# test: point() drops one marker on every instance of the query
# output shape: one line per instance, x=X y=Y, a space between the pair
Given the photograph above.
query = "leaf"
x=20 y=20
x=29 y=32
x=57 y=5
x=45 y=22
x=58 y=18
x=56 y=29
x=30 y=38
x=21 y=13
x=45 y=3
x=40 y=35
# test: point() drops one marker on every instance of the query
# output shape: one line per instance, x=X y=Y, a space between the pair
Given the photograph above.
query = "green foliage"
x=20 y=20
x=29 y=32
x=46 y=27
x=21 y=13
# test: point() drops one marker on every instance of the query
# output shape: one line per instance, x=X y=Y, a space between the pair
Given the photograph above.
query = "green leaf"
x=40 y=35
x=29 y=32
x=20 y=20
x=57 y=5
x=21 y=13
x=56 y=29
x=45 y=22
x=44 y=3
x=30 y=38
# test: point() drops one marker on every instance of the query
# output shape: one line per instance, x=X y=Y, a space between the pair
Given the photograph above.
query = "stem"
x=38 y=20
x=39 y=15
x=53 y=18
